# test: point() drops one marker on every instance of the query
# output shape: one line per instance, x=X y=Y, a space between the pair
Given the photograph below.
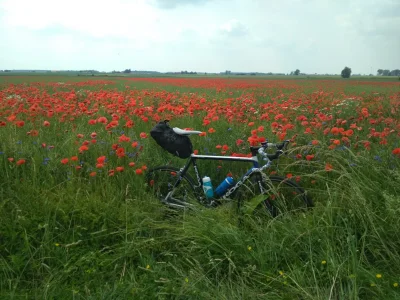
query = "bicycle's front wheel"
x=274 y=196
x=161 y=181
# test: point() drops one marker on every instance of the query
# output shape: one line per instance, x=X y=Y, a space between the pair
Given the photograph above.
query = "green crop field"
x=78 y=220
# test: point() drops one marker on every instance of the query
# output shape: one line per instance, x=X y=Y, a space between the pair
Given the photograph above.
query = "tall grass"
x=64 y=234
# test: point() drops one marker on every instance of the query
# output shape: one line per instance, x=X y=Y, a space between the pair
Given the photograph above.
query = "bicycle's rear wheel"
x=280 y=196
x=161 y=180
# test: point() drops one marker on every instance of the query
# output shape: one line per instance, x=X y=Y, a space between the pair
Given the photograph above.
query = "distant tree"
x=394 y=72
x=380 y=71
x=127 y=71
x=386 y=72
x=297 y=72
x=346 y=72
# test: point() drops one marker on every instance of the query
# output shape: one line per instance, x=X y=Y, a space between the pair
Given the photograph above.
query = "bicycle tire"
x=160 y=182
x=282 y=196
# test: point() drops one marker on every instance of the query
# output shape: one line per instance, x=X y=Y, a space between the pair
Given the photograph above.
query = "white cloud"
x=234 y=28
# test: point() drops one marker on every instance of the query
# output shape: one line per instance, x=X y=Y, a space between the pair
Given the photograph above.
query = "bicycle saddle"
x=185 y=132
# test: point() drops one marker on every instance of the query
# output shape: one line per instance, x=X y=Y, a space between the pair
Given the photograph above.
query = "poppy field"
x=77 y=220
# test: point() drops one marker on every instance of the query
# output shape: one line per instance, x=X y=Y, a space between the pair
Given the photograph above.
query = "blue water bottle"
x=223 y=187
x=207 y=187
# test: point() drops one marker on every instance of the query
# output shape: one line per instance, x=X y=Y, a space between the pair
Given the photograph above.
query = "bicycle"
x=255 y=192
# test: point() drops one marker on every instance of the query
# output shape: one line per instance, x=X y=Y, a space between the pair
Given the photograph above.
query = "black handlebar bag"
x=176 y=144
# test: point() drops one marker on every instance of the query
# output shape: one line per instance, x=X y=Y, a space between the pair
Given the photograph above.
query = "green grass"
x=64 y=234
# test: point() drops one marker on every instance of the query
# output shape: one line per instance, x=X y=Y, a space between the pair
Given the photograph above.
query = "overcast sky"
x=315 y=36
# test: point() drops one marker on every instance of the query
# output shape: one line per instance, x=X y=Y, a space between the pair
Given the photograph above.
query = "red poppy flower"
x=310 y=157
x=21 y=162
x=396 y=151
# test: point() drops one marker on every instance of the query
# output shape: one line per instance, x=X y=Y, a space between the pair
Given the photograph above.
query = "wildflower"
x=335 y=131
x=102 y=120
x=143 y=135
x=148 y=267
x=64 y=161
x=249 y=248
x=395 y=284
x=396 y=152
x=310 y=157
x=93 y=174
x=10 y=159
x=203 y=133
x=131 y=164
x=196 y=151
x=239 y=142
x=186 y=280
x=250 y=124
x=328 y=167
x=33 y=132
x=120 y=152
x=21 y=162
x=57 y=244
x=124 y=138
x=80 y=135
x=314 y=142
x=119 y=169
x=289 y=175
x=101 y=159
x=378 y=275
x=46 y=123
x=74 y=158
x=20 y=123
x=211 y=130
x=134 y=144
x=139 y=171
x=83 y=148
x=93 y=135
x=323 y=262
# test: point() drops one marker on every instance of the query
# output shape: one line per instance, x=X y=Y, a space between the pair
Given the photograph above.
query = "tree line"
x=387 y=72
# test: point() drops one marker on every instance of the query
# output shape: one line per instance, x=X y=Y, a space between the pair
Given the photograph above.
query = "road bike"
x=255 y=192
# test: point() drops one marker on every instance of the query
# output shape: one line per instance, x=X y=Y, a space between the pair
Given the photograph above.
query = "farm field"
x=77 y=220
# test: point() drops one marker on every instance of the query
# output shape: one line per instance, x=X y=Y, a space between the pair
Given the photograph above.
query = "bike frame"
x=192 y=161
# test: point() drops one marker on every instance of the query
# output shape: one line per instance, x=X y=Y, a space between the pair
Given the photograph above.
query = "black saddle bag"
x=176 y=144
